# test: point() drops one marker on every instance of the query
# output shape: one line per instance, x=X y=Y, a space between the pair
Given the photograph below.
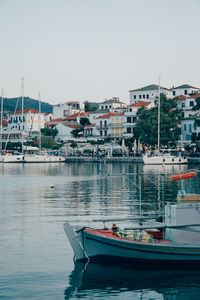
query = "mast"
x=1 y=121
x=23 y=121
x=158 y=115
x=40 y=144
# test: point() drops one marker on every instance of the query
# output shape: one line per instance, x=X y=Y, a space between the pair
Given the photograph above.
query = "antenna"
x=158 y=115
x=23 y=119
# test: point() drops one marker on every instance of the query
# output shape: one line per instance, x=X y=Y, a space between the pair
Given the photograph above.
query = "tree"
x=197 y=106
x=147 y=124
x=49 y=131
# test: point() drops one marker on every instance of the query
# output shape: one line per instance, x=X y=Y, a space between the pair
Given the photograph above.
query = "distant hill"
x=12 y=104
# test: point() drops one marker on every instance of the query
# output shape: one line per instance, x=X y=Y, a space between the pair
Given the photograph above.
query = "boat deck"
x=108 y=233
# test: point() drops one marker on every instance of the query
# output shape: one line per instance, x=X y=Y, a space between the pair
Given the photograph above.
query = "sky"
x=92 y=50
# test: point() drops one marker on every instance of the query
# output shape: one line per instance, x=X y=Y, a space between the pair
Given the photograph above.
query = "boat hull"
x=164 y=160
x=98 y=247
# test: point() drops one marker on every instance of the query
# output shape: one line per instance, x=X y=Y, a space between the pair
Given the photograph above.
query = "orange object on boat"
x=183 y=176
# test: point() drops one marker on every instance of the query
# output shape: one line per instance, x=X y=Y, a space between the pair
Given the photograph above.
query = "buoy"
x=183 y=176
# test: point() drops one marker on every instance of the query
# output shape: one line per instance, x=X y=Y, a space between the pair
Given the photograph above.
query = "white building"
x=130 y=117
x=113 y=105
x=63 y=110
x=187 y=103
x=148 y=93
x=65 y=131
x=110 y=125
x=30 y=121
x=185 y=90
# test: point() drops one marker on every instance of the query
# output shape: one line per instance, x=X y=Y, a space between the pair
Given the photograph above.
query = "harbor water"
x=36 y=259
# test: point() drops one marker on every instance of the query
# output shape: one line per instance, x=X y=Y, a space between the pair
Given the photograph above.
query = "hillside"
x=12 y=104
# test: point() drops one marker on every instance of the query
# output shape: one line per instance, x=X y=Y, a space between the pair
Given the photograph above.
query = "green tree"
x=49 y=131
x=147 y=124
x=197 y=106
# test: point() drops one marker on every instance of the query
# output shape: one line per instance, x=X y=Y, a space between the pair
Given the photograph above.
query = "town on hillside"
x=111 y=126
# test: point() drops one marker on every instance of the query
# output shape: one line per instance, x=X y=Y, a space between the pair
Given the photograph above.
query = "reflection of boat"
x=176 y=239
x=103 y=279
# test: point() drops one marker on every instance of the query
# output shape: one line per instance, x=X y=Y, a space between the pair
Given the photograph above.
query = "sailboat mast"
x=1 y=121
x=23 y=121
x=158 y=115
x=40 y=144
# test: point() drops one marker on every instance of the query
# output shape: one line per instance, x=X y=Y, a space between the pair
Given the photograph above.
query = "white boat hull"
x=164 y=160
x=43 y=159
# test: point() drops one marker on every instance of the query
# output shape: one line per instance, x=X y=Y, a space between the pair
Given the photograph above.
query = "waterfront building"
x=110 y=125
x=113 y=105
x=66 y=109
x=130 y=117
x=148 y=93
x=184 y=89
x=65 y=130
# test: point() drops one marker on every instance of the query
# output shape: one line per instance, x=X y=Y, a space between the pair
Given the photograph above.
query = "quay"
x=104 y=159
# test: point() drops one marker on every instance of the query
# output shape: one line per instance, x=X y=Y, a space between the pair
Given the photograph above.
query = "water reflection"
x=102 y=279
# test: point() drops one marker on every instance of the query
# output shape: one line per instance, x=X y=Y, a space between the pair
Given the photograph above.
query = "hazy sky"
x=97 y=49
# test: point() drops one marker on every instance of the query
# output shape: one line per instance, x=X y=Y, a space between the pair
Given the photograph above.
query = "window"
x=191 y=103
x=128 y=119
x=190 y=127
x=140 y=96
x=143 y=96
x=102 y=107
x=105 y=123
x=105 y=132
x=130 y=109
x=185 y=92
x=183 y=105
x=128 y=129
x=185 y=127
x=106 y=107
x=101 y=133
x=147 y=96
x=174 y=93
x=134 y=96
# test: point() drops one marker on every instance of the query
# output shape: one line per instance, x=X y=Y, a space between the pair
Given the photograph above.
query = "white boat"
x=13 y=158
x=164 y=159
x=39 y=158
x=175 y=240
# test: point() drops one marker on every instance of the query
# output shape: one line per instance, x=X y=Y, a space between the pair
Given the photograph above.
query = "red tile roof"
x=19 y=111
x=111 y=114
x=140 y=104
x=195 y=96
x=76 y=115
x=182 y=97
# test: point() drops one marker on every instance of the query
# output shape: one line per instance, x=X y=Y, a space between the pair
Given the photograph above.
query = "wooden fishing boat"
x=175 y=240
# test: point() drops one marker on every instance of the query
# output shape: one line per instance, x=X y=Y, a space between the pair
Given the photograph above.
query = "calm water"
x=36 y=260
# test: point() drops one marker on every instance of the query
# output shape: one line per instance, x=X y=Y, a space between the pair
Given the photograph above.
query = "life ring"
x=183 y=176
